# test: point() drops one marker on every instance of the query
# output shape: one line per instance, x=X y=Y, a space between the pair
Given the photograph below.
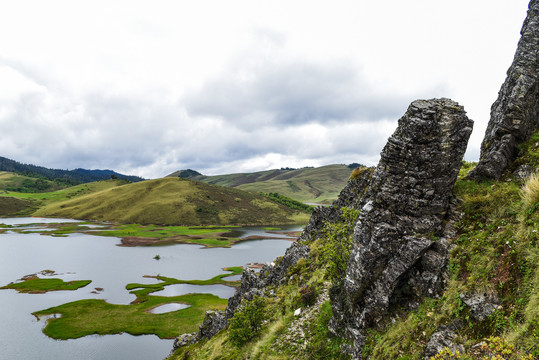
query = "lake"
x=111 y=267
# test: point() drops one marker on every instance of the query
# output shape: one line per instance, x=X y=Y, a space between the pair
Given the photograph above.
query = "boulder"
x=440 y=340
x=481 y=305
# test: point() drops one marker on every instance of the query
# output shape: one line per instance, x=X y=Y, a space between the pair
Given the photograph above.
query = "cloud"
x=262 y=92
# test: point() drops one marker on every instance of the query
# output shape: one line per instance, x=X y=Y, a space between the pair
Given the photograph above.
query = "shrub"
x=308 y=295
x=247 y=322
x=289 y=202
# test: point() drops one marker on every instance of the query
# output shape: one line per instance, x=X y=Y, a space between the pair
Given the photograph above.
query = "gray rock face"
x=440 y=340
x=481 y=305
x=514 y=117
x=403 y=213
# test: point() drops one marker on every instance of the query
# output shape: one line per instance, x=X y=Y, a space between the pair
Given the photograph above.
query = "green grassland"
x=34 y=201
x=91 y=316
x=309 y=185
x=11 y=206
x=170 y=201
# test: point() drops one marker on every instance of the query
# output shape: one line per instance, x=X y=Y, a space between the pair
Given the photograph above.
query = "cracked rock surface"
x=407 y=202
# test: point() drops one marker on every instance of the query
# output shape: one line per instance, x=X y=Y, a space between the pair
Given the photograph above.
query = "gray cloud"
x=260 y=92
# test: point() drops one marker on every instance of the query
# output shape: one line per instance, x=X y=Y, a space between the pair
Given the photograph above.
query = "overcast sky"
x=147 y=88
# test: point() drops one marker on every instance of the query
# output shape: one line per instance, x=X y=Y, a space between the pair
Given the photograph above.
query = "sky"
x=147 y=88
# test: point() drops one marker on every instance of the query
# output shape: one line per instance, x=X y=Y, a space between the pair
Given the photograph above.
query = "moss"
x=359 y=171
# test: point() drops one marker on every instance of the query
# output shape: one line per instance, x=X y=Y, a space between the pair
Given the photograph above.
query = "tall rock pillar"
x=514 y=117
x=405 y=206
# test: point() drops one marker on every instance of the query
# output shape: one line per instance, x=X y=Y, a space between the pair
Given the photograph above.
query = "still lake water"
x=97 y=258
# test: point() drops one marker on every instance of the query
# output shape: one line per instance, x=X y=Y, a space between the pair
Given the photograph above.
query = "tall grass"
x=530 y=193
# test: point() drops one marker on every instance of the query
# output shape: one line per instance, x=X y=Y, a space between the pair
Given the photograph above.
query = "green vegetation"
x=493 y=348
x=142 y=290
x=20 y=183
x=247 y=321
x=65 y=177
x=335 y=253
x=308 y=185
x=136 y=234
x=267 y=328
x=171 y=201
x=34 y=201
x=35 y=285
x=291 y=203
x=86 y=317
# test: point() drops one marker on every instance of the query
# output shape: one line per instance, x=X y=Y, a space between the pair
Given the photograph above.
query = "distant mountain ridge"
x=308 y=184
x=72 y=177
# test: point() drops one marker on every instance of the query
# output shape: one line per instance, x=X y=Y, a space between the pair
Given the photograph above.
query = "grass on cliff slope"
x=496 y=251
x=174 y=201
x=92 y=316
x=266 y=328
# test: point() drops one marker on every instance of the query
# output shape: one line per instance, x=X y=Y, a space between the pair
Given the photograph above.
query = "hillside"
x=10 y=181
x=14 y=203
x=64 y=177
x=308 y=185
x=174 y=201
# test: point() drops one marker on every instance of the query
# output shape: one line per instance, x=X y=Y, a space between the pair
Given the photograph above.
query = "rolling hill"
x=173 y=201
x=309 y=185
x=65 y=177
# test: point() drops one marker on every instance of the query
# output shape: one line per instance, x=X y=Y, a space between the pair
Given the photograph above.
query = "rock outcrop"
x=397 y=243
x=514 y=117
x=399 y=252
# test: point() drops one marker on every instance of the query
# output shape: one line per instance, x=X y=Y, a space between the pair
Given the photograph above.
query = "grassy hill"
x=15 y=182
x=309 y=185
x=167 y=201
x=65 y=177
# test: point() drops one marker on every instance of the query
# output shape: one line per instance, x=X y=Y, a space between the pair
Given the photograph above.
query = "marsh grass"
x=86 y=317
x=92 y=316
x=40 y=286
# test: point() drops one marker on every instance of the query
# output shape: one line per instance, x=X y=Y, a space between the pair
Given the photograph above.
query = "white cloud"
x=217 y=86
